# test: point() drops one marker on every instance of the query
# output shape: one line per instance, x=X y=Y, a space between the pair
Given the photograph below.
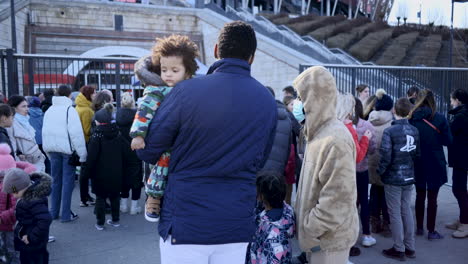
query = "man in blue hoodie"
x=217 y=145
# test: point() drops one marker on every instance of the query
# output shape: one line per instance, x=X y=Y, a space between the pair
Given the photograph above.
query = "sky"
x=431 y=10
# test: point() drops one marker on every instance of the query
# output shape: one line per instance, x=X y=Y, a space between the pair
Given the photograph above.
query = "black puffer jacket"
x=32 y=215
x=431 y=168
x=108 y=156
x=279 y=154
x=134 y=171
x=457 y=151
x=398 y=152
x=4 y=138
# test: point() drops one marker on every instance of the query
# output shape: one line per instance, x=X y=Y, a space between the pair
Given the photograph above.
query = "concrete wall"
x=275 y=65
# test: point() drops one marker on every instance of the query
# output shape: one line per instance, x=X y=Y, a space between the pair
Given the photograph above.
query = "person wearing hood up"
x=276 y=224
x=326 y=213
x=106 y=162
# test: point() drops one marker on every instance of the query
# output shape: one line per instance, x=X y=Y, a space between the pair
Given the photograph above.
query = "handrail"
x=391 y=67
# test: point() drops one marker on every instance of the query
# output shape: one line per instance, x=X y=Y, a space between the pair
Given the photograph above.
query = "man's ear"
x=251 y=59
x=216 y=51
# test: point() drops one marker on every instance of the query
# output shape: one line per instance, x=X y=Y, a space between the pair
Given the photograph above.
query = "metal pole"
x=12 y=72
x=328 y=7
x=117 y=84
x=31 y=76
x=13 y=25
x=2 y=62
x=321 y=7
x=451 y=38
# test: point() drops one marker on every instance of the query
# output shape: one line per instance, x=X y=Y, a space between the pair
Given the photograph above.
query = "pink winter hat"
x=6 y=160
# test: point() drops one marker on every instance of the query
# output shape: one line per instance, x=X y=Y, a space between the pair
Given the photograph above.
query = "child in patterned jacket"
x=275 y=225
x=173 y=59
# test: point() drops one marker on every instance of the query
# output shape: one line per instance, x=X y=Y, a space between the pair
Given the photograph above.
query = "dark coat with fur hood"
x=32 y=214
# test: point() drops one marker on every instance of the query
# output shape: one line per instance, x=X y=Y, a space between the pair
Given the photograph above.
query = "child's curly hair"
x=176 y=45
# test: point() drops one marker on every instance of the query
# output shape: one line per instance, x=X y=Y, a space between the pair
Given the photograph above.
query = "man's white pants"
x=233 y=253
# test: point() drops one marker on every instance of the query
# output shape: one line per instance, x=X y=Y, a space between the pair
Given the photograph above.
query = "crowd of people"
x=221 y=172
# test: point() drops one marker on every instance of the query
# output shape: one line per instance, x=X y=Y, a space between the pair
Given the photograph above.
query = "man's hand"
x=25 y=239
x=138 y=143
x=153 y=205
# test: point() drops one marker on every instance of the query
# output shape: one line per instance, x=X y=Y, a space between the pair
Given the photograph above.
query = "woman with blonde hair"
x=133 y=174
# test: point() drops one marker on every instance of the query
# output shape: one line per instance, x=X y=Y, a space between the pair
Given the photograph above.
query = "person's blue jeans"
x=63 y=176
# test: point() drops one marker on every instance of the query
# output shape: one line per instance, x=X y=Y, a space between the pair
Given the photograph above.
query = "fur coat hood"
x=326 y=210
x=146 y=72
x=41 y=187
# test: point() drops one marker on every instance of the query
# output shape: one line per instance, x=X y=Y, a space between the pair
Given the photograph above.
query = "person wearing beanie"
x=134 y=173
x=381 y=118
x=31 y=232
x=107 y=160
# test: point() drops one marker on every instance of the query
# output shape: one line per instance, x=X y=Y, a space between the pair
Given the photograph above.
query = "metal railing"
x=28 y=74
x=396 y=80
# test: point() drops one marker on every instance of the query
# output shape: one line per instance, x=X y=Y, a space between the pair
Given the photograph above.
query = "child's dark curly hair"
x=176 y=45
x=271 y=188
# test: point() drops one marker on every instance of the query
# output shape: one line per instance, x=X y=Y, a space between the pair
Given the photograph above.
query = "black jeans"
x=362 y=181
x=431 y=208
x=36 y=257
x=136 y=192
x=84 y=184
x=100 y=208
x=459 y=190
x=377 y=203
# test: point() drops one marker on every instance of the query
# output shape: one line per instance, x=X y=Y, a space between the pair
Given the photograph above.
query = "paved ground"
x=136 y=241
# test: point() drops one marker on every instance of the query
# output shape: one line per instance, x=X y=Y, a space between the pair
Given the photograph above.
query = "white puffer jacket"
x=55 y=130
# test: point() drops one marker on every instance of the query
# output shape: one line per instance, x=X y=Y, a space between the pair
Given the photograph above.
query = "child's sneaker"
x=112 y=223
x=99 y=227
x=151 y=216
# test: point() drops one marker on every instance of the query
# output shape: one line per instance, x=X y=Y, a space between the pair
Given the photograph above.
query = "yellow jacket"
x=86 y=113
x=326 y=213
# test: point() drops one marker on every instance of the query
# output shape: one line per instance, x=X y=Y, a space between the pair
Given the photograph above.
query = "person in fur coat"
x=326 y=213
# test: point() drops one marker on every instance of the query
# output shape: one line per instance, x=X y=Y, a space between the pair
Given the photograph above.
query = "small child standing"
x=108 y=156
x=399 y=150
x=276 y=224
x=32 y=213
x=173 y=58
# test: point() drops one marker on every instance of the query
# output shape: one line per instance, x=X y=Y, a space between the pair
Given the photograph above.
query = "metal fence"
x=396 y=80
x=28 y=74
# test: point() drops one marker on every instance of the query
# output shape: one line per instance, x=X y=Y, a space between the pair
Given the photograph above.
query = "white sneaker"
x=349 y=262
x=134 y=208
x=124 y=205
x=368 y=241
